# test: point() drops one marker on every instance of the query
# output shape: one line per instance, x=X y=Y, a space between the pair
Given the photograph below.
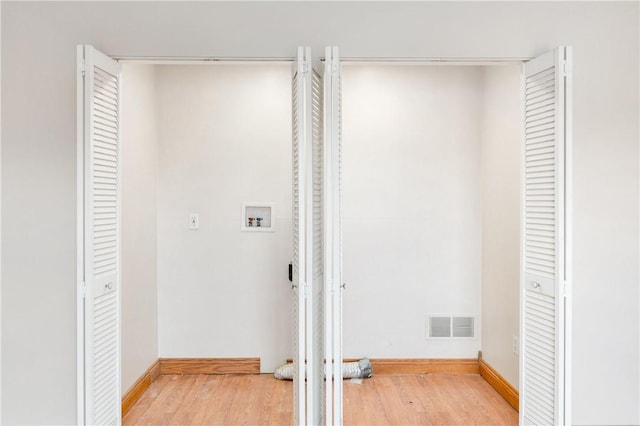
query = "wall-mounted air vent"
x=440 y=327
x=450 y=326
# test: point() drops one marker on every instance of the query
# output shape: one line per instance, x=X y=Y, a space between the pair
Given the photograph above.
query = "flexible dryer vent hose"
x=350 y=370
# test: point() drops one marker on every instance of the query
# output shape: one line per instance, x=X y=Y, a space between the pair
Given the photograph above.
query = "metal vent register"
x=443 y=326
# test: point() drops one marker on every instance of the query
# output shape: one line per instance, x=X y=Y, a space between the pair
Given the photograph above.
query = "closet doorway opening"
x=215 y=137
x=456 y=221
x=180 y=153
x=431 y=216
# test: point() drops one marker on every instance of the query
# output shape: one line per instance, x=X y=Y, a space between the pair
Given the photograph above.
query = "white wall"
x=139 y=141
x=39 y=156
x=412 y=210
x=501 y=146
x=225 y=138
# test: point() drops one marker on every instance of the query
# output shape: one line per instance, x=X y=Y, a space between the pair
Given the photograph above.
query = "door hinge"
x=303 y=65
x=83 y=289
x=83 y=67
x=565 y=289
x=566 y=68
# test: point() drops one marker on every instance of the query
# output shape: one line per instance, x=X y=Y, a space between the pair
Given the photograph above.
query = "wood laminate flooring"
x=424 y=399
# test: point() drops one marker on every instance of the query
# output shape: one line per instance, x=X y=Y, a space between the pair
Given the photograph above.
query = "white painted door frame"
x=563 y=283
x=87 y=58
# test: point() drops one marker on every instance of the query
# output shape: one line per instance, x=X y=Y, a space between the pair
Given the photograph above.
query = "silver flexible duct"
x=350 y=370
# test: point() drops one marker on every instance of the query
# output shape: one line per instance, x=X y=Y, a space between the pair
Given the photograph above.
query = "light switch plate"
x=194 y=221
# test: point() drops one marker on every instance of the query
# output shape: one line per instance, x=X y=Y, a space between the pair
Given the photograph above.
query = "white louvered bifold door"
x=303 y=264
x=333 y=236
x=101 y=235
x=544 y=372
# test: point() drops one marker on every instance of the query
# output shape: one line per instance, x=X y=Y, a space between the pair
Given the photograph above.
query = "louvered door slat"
x=101 y=239
x=544 y=224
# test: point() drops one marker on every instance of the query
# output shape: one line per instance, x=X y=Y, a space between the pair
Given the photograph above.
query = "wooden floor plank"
x=420 y=399
x=195 y=402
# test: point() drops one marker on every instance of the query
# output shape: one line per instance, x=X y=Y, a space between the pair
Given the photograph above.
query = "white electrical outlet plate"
x=516 y=345
x=194 y=221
